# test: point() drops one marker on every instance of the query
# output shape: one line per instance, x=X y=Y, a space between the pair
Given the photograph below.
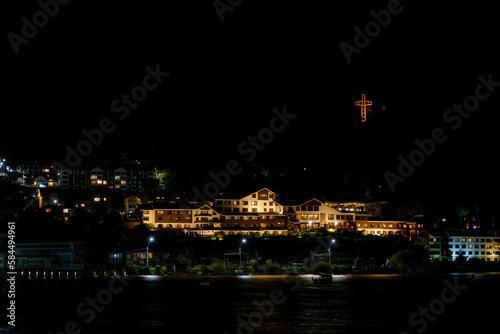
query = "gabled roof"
x=240 y=196
x=313 y=202
x=202 y=206
x=434 y=232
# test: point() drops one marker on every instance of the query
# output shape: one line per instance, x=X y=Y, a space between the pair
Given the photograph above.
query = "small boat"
x=206 y=281
x=322 y=278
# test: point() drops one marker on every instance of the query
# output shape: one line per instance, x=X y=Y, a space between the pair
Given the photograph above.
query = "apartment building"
x=435 y=241
x=316 y=214
x=256 y=213
x=409 y=229
x=262 y=201
x=179 y=216
x=134 y=179
x=483 y=245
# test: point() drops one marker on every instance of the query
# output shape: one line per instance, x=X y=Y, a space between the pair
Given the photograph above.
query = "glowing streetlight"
x=329 y=251
x=147 y=251
x=242 y=242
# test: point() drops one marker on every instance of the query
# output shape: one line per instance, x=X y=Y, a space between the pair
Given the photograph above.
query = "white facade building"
x=262 y=201
x=481 y=245
x=316 y=214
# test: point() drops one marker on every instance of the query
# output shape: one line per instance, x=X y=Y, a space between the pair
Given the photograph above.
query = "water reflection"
x=350 y=304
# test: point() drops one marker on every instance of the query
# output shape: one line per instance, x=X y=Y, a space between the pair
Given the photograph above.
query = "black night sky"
x=227 y=76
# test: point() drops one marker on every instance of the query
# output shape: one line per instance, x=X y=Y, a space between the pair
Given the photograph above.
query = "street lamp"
x=147 y=251
x=242 y=242
x=329 y=251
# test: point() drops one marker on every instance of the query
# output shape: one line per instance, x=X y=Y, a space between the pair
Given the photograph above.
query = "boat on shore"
x=206 y=281
x=322 y=278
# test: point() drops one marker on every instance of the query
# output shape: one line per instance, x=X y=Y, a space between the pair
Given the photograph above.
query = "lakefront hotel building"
x=256 y=213
x=316 y=214
x=483 y=245
x=408 y=229
x=260 y=213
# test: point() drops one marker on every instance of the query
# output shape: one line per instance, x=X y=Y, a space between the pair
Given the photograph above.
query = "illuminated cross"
x=363 y=104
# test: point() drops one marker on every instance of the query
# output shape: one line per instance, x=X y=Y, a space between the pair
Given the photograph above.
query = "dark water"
x=351 y=304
